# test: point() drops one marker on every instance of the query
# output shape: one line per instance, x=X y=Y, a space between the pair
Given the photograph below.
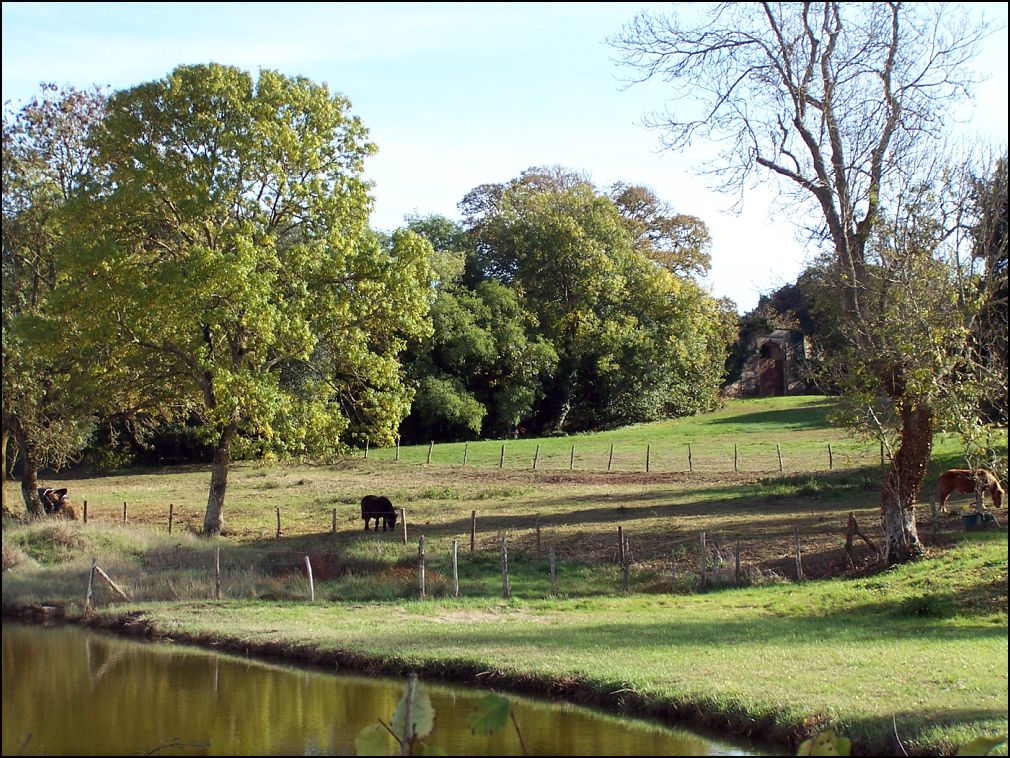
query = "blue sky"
x=454 y=94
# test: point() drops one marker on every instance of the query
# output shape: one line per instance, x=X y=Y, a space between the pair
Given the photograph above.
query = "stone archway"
x=771 y=369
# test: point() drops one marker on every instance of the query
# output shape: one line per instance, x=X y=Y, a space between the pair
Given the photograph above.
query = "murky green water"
x=72 y=691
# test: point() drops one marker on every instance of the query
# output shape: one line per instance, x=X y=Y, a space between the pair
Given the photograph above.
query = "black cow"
x=381 y=508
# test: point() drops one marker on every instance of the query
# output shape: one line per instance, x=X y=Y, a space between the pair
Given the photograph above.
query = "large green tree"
x=46 y=156
x=483 y=368
x=225 y=240
x=839 y=103
x=630 y=336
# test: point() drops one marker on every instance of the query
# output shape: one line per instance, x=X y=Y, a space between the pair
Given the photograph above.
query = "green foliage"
x=677 y=242
x=375 y=739
x=491 y=715
x=47 y=401
x=226 y=260
x=982 y=745
x=422 y=715
x=483 y=367
x=825 y=743
x=633 y=341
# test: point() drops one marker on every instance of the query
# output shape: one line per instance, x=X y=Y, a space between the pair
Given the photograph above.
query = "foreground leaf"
x=492 y=714
x=825 y=743
x=981 y=745
x=422 y=714
x=375 y=739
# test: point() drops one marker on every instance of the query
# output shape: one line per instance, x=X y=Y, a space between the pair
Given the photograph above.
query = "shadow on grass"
x=814 y=416
x=915 y=727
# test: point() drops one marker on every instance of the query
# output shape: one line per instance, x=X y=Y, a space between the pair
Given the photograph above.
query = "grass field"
x=925 y=644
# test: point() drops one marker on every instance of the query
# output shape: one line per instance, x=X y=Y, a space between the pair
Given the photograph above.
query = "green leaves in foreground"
x=981 y=745
x=414 y=709
x=492 y=714
x=375 y=739
x=416 y=702
x=413 y=719
x=825 y=743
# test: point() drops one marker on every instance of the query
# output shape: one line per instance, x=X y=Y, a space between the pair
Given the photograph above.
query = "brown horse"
x=56 y=503
x=965 y=480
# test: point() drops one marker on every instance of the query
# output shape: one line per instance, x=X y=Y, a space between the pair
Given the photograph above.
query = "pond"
x=68 y=690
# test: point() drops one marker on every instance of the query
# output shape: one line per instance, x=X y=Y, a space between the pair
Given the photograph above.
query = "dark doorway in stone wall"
x=772 y=369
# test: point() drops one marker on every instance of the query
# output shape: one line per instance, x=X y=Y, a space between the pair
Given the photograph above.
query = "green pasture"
x=924 y=644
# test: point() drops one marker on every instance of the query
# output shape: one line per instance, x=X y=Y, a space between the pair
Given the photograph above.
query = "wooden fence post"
x=333 y=526
x=473 y=528
x=778 y=451
x=466 y=452
x=277 y=536
x=506 y=587
x=704 y=560
x=420 y=565
x=554 y=576
x=366 y=448
x=610 y=460
x=799 y=560
x=831 y=458
x=536 y=457
x=455 y=568
x=403 y=522
x=626 y=566
x=85 y=512
x=501 y=458
x=396 y=456
x=312 y=585
x=217 y=572
x=690 y=460
x=571 y=459
x=126 y=518
x=736 y=460
x=620 y=545
x=171 y=514
x=648 y=457
x=431 y=445
x=91 y=585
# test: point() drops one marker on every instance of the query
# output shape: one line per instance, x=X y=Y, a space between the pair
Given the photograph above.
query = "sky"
x=454 y=95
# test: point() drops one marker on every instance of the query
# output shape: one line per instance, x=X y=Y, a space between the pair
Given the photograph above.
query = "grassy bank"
x=924 y=644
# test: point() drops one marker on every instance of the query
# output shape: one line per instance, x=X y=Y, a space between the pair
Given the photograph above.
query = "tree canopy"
x=634 y=341
x=46 y=157
x=224 y=243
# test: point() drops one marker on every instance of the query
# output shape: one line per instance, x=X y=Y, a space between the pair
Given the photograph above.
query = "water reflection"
x=72 y=691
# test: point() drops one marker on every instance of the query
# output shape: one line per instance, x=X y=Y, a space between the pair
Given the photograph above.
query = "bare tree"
x=838 y=103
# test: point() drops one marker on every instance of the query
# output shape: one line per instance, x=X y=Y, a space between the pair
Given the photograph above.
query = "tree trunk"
x=29 y=470
x=900 y=491
x=213 y=521
x=567 y=373
x=3 y=469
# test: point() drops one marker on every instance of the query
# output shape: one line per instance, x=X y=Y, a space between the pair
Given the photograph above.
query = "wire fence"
x=677 y=564
x=645 y=457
